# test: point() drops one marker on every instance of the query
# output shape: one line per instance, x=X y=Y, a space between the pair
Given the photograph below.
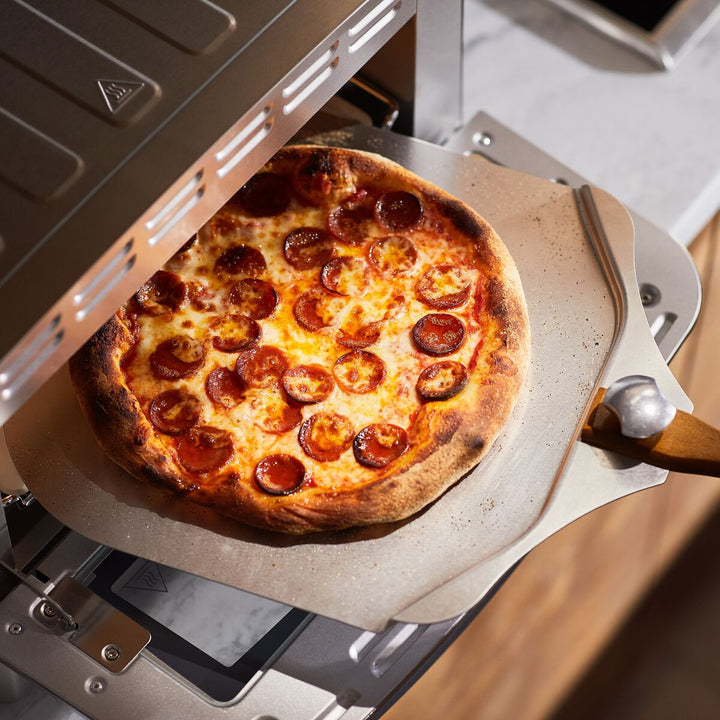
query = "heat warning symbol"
x=148 y=577
x=117 y=92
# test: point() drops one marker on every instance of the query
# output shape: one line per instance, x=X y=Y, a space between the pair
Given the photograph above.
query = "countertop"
x=648 y=136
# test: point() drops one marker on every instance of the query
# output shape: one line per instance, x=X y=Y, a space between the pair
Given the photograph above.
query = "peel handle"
x=686 y=445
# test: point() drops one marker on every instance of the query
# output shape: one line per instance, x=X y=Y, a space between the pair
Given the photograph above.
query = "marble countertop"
x=649 y=137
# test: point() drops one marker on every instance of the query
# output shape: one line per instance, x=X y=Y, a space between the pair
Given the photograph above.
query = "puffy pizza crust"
x=447 y=437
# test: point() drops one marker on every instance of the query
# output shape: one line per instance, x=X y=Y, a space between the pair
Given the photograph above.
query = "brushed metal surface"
x=366 y=577
x=103 y=633
x=668 y=279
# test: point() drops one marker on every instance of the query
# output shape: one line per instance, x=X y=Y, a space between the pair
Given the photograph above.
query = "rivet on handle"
x=639 y=405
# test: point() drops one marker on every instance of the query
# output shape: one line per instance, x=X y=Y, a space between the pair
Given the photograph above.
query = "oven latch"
x=93 y=625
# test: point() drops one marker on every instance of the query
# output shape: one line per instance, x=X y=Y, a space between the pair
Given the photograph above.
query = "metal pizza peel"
x=574 y=252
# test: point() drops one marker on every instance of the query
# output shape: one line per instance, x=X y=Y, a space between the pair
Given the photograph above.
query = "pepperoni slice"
x=225 y=387
x=359 y=337
x=241 y=260
x=348 y=224
x=308 y=383
x=326 y=436
x=392 y=255
x=438 y=333
x=280 y=474
x=308 y=247
x=345 y=275
x=379 y=444
x=359 y=371
x=254 y=298
x=318 y=179
x=262 y=366
x=204 y=449
x=312 y=179
x=443 y=287
x=174 y=412
x=273 y=413
x=177 y=357
x=357 y=331
x=162 y=292
x=442 y=380
x=264 y=195
x=316 y=309
x=234 y=332
x=398 y=210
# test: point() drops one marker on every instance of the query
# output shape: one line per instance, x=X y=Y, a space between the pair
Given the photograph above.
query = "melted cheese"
x=388 y=299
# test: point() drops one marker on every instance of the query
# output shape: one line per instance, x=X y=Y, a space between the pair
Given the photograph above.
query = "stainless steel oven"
x=124 y=127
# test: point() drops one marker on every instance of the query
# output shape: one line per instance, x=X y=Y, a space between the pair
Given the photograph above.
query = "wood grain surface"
x=566 y=601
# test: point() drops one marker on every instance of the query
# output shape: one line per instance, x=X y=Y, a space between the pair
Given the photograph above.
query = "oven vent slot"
x=300 y=89
x=365 y=30
x=247 y=139
x=103 y=282
x=175 y=209
x=35 y=353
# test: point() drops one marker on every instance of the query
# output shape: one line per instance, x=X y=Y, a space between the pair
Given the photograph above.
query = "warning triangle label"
x=148 y=577
x=117 y=92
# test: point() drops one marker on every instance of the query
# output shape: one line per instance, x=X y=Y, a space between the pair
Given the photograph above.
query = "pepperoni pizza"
x=338 y=345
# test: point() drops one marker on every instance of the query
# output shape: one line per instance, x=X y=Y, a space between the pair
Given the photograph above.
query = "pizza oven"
x=124 y=127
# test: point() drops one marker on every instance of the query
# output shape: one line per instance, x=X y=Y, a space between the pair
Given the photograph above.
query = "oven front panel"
x=125 y=129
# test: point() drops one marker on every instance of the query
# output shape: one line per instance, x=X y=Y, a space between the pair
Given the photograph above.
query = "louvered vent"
x=310 y=79
x=34 y=353
x=103 y=281
x=175 y=209
x=248 y=137
x=371 y=24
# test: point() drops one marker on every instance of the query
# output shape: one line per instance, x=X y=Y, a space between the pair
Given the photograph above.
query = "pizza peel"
x=574 y=251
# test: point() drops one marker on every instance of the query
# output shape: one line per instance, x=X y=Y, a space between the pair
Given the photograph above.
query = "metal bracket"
x=108 y=636
x=101 y=631
x=11 y=578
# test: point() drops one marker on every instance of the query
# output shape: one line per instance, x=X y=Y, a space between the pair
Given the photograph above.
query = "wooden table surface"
x=524 y=652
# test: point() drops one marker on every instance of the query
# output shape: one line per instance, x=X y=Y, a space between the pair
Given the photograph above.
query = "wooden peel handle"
x=686 y=445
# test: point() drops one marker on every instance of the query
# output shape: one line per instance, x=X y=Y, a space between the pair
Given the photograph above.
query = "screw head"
x=15 y=628
x=483 y=138
x=649 y=294
x=48 y=611
x=95 y=685
x=111 y=653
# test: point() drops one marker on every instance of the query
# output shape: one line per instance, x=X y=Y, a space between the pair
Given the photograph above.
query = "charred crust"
x=466 y=222
x=151 y=475
x=316 y=163
x=494 y=296
x=365 y=165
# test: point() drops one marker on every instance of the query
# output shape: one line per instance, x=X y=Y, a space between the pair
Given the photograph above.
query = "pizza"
x=335 y=347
